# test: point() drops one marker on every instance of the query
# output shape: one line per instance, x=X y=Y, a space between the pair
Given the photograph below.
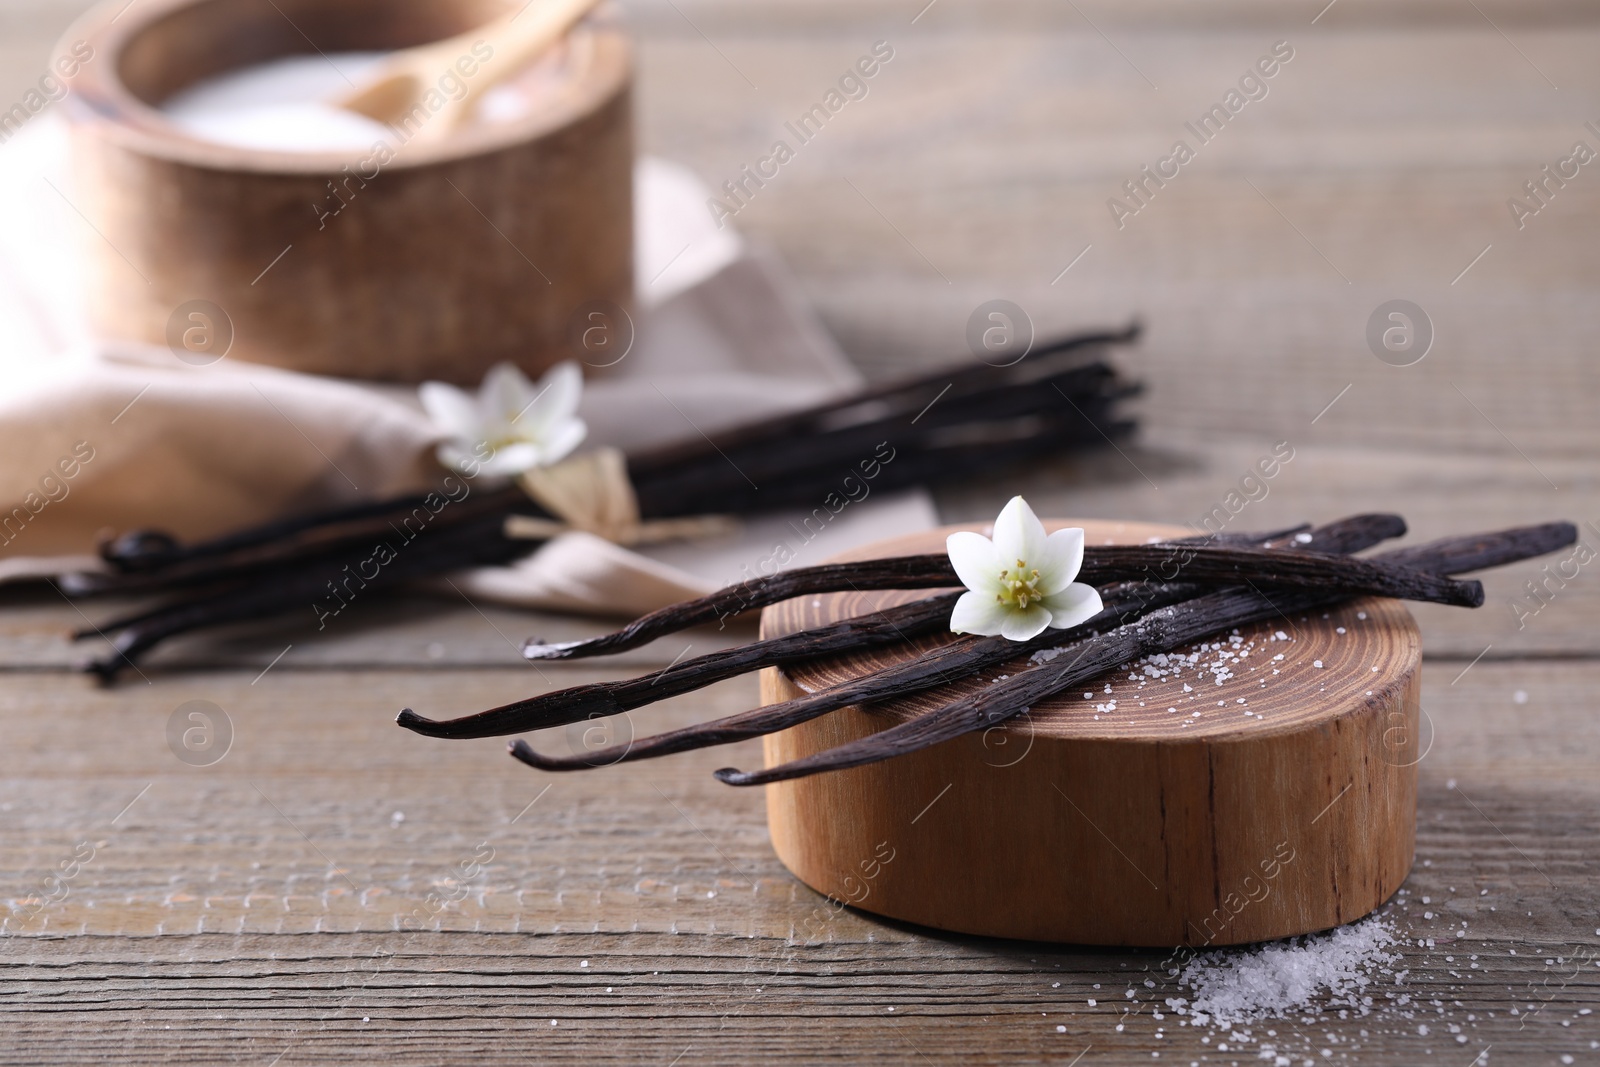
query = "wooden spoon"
x=395 y=93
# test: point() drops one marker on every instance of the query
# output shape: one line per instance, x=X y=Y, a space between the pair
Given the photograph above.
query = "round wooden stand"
x=434 y=261
x=1164 y=811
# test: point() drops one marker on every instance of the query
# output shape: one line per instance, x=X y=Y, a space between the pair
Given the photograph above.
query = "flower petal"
x=452 y=456
x=558 y=394
x=511 y=459
x=978 y=613
x=506 y=393
x=973 y=557
x=561 y=440
x=1077 y=603
x=1025 y=625
x=451 y=410
x=1060 y=559
x=1018 y=534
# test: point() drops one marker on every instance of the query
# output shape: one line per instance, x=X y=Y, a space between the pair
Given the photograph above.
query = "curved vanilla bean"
x=959 y=659
x=905 y=398
x=612 y=697
x=151 y=551
x=971 y=431
x=468 y=544
x=1165 y=561
x=600 y=699
x=298 y=542
x=1163 y=629
x=1160 y=631
x=899 y=572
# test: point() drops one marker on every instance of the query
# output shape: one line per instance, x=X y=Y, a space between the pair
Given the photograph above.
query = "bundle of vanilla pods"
x=956 y=423
x=1157 y=598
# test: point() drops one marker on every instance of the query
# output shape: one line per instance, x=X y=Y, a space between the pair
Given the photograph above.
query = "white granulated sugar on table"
x=1290 y=1003
x=1303 y=974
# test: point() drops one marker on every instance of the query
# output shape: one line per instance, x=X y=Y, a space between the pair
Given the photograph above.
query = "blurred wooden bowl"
x=1292 y=812
x=479 y=247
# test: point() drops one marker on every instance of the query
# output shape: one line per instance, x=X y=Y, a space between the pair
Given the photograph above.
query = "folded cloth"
x=105 y=435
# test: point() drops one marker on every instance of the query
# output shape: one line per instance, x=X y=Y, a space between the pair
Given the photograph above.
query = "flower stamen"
x=1019 y=586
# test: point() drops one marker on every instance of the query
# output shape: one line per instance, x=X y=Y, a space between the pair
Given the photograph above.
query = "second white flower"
x=1021 y=582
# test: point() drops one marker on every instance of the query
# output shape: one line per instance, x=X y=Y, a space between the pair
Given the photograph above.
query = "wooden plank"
x=339 y=797
x=771 y=18
x=303 y=837
x=601 y=870
x=1378 y=167
x=646 y=998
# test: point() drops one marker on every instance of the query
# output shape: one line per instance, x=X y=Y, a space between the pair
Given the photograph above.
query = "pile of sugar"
x=1303 y=974
x=285 y=105
x=281 y=105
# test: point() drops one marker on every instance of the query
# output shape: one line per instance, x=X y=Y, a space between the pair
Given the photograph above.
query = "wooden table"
x=337 y=890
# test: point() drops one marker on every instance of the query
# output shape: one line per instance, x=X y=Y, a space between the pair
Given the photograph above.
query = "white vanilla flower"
x=512 y=425
x=1022 y=581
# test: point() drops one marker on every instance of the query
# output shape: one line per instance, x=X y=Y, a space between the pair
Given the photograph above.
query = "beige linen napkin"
x=102 y=435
